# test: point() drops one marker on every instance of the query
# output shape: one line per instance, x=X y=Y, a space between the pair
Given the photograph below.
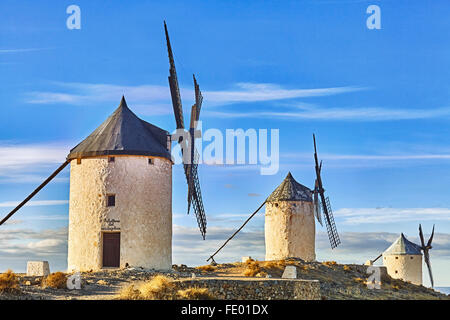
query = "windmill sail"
x=426 y=254
x=173 y=83
x=190 y=156
x=333 y=235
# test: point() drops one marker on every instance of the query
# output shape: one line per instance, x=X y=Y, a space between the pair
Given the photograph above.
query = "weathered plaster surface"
x=290 y=230
x=404 y=266
x=142 y=212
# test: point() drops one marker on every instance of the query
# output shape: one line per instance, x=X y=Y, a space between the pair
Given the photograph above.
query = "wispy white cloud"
x=258 y=92
x=156 y=99
x=301 y=159
x=23 y=162
x=357 y=216
x=350 y=114
x=7 y=204
x=20 y=50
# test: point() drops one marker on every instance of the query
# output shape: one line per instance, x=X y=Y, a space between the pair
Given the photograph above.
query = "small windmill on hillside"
x=290 y=229
x=403 y=259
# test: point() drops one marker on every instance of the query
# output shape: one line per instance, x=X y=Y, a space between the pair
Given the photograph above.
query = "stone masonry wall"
x=404 y=266
x=290 y=230
x=256 y=289
x=142 y=212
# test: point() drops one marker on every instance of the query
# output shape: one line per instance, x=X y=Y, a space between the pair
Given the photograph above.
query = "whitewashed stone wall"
x=142 y=211
x=290 y=230
x=404 y=266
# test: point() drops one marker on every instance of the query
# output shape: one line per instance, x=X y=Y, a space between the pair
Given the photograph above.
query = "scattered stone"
x=193 y=276
x=369 y=263
x=290 y=272
x=28 y=283
x=102 y=282
x=38 y=268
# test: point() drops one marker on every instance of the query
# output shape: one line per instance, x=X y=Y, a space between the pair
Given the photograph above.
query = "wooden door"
x=111 y=249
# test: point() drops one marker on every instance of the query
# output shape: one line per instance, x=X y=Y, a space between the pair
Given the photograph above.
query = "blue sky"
x=378 y=101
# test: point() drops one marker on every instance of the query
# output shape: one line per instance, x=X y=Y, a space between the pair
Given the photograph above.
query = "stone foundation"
x=255 y=289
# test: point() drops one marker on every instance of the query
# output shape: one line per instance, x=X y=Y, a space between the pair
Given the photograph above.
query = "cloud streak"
x=19 y=163
x=358 y=216
x=156 y=98
x=8 y=204
x=349 y=114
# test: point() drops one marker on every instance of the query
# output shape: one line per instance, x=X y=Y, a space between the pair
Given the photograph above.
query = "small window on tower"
x=111 y=200
x=396 y=258
x=151 y=161
x=412 y=258
x=396 y=271
x=111 y=159
x=79 y=161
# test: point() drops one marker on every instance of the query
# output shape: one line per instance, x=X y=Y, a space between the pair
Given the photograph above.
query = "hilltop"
x=337 y=281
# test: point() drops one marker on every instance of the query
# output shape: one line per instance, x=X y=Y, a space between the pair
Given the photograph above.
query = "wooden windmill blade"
x=333 y=235
x=31 y=195
x=174 y=88
x=194 y=191
x=426 y=252
x=190 y=158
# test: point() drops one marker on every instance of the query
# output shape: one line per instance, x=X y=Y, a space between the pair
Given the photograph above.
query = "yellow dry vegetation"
x=162 y=288
x=9 y=282
x=252 y=268
x=56 y=280
x=195 y=294
x=206 y=268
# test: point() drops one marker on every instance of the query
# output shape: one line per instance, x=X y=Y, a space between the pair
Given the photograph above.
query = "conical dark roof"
x=403 y=246
x=123 y=133
x=290 y=190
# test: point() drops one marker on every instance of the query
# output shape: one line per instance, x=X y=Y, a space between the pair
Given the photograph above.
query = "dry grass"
x=347 y=268
x=158 y=288
x=360 y=280
x=56 y=280
x=252 y=269
x=129 y=293
x=329 y=263
x=207 y=268
x=195 y=294
x=162 y=288
x=9 y=282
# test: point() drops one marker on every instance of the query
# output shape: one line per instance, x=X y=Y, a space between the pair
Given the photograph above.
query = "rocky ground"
x=336 y=281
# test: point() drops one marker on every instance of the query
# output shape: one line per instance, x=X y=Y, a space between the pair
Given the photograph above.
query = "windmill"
x=426 y=248
x=187 y=140
x=324 y=204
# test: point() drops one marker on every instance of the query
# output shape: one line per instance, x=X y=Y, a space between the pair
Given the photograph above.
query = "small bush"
x=252 y=269
x=207 y=268
x=9 y=282
x=129 y=293
x=195 y=294
x=56 y=280
x=158 y=288
x=347 y=268
x=329 y=263
x=360 y=280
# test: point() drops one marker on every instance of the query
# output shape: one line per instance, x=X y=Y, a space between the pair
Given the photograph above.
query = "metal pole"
x=211 y=257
